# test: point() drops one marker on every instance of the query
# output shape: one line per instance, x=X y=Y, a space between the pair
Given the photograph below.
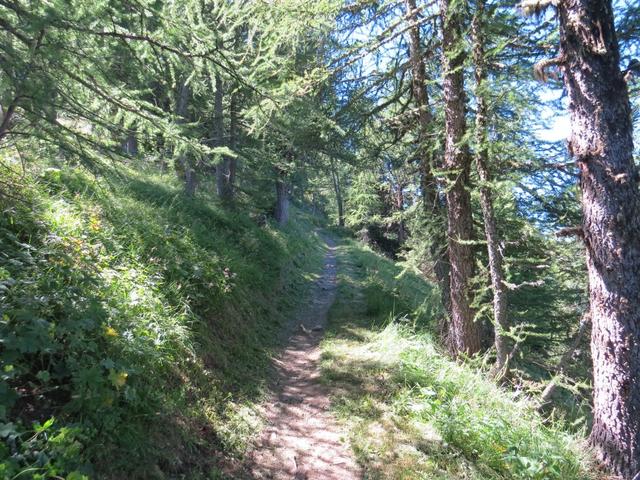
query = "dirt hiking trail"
x=302 y=440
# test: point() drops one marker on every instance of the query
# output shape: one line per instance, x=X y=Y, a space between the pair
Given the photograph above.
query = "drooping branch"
x=540 y=69
x=536 y=7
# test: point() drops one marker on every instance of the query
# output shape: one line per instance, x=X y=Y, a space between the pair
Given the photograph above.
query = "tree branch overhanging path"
x=471 y=164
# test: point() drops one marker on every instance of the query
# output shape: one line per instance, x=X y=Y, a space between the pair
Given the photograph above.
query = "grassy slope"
x=413 y=413
x=140 y=321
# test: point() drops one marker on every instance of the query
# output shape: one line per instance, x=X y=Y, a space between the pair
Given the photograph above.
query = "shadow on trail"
x=302 y=439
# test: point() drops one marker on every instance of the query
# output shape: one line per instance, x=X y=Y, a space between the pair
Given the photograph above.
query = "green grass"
x=137 y=325
x=412 y=412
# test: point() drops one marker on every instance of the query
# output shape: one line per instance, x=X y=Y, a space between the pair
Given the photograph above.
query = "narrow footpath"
x=302 y=439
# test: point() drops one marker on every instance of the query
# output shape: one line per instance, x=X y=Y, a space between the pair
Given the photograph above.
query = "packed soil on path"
x=302 y=439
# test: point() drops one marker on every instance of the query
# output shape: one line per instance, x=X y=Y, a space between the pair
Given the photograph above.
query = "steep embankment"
x=412 y=412
x=137 y=324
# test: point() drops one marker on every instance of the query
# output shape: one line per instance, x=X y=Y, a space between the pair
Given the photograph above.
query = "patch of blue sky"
x=556 y=124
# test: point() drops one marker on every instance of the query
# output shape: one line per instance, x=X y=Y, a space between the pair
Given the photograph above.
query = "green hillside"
x=138 y=324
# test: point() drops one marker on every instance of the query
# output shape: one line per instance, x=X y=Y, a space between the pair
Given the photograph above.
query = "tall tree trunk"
x=437 y=249
x=130 y=144
x=233 y=142
x=282 y=198
x=602 y=144
x=5 y=118
x=337 y=188
x=223 y=186
x=486 y=201
x=190 y=176
x=421 y=99
x=190 y=181
x=341 y=213
x=465 y=334
x=399 y=204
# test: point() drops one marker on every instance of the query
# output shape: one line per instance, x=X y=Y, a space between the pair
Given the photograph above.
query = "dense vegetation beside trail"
x=413 y=413
x=164 y=166
x=138 y=324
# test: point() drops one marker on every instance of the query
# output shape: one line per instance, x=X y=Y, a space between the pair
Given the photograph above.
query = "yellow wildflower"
x=118 y=379
x=110 y=332
x=94 y=223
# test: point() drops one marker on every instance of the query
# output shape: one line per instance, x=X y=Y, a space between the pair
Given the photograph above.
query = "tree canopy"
x=486 y=146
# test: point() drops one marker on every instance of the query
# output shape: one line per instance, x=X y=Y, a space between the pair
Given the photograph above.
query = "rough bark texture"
x=486 y=200
x=601 y=142
x=464 y=333
x=429 y=186
x=190 y=177
x=421 y=100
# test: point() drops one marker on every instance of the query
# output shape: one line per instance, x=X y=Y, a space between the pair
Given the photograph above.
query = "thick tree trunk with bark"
x=421 y=99
x=429 y=186
x=602 y=144
x=282 y=198
x=486 y=200
x=464 y=333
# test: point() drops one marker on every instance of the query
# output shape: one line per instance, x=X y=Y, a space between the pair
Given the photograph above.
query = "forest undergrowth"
x=412 y=412
x=141 y=323
x=138 y=324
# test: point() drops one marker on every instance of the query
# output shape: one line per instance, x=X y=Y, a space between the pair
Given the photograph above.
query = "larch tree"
x=464 y=332
x=601 y=143
x=224 y=187
x=430 y=194
x=186 y=164
x=486 y=200
x=337 y=188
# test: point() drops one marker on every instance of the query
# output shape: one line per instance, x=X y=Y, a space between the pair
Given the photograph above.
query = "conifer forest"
x=320 y=239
